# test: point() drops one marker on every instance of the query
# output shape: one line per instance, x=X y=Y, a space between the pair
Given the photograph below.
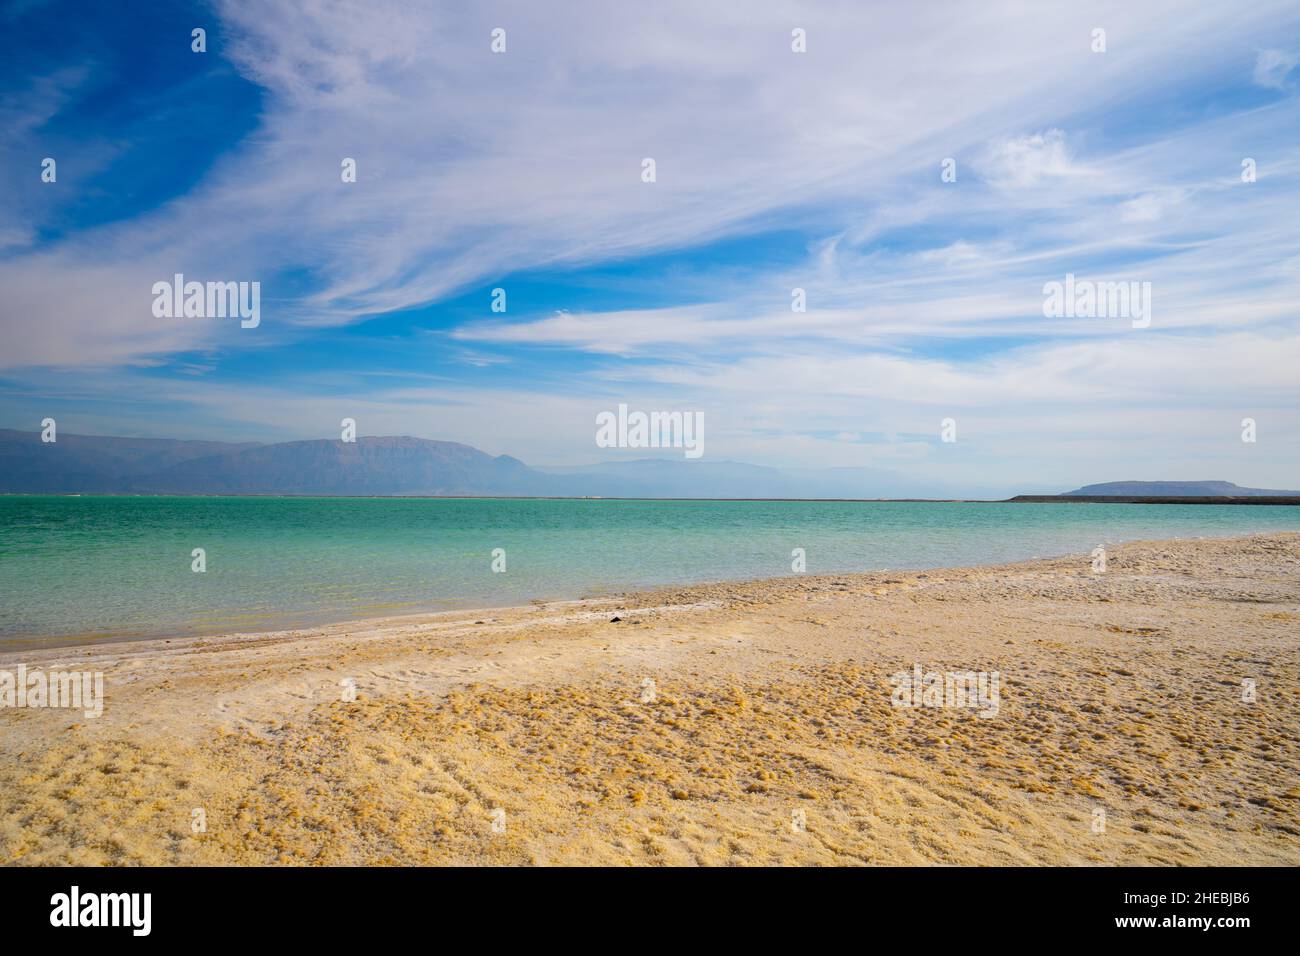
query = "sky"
x=774 y=170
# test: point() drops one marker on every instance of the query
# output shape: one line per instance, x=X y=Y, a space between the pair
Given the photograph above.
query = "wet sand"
x=735 y=723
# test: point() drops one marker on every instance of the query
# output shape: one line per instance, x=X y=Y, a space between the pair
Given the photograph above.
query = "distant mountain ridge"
x=368 y=466
x=1176 y=489
x=93 y=463
x=90 y=464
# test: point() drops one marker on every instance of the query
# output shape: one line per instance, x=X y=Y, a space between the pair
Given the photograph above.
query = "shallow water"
x=113 y=567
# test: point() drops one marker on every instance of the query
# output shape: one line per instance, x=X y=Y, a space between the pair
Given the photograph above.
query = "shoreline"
x=1119 y=692
x=73 y=642
x=1014 y=499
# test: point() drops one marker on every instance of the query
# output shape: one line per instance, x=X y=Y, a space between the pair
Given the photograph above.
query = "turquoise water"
x=112 y=567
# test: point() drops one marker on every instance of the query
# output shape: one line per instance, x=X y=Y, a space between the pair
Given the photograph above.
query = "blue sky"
x=775 y=170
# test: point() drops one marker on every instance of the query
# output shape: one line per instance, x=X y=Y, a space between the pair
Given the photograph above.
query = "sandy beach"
x=1147 y=715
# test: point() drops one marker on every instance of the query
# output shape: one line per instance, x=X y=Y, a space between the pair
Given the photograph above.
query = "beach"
x=1145 y=714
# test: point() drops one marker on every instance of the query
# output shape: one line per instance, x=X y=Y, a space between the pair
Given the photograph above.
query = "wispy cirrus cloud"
x=1274 y=67
x=474 y=165
x=524 y=169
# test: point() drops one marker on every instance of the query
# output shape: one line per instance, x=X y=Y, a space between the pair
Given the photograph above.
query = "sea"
x=77 y=569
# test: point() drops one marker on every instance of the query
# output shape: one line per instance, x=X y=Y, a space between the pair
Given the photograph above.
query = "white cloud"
x=1029 y=160
x=473 y=164
x=1033 y=418
x=1273 y=67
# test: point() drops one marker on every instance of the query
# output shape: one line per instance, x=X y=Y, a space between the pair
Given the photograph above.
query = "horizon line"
x=1015 y=499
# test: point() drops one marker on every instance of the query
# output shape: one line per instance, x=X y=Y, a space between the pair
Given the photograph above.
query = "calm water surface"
x=111 y=567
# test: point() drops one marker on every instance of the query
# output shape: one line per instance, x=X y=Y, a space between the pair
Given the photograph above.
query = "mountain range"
x=89 y=464
x=1177 y=489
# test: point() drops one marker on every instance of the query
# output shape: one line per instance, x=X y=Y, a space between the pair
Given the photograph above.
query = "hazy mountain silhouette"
x=1178 y=489
x=392 y=466
x=91 y=463
x=417 y=466
x=368 y=466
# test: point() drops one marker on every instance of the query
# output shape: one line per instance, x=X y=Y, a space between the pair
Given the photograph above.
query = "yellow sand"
x=522 y=736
